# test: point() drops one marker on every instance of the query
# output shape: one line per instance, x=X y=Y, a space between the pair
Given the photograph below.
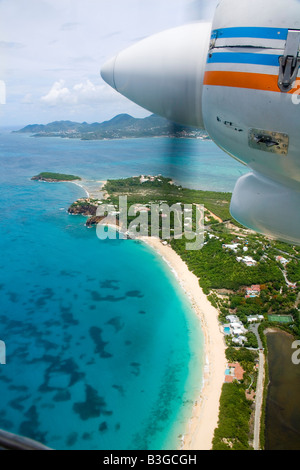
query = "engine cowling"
x=164 y=73
x=239 y=79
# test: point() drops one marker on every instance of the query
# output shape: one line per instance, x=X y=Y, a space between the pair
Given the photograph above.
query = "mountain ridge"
x=120 y=126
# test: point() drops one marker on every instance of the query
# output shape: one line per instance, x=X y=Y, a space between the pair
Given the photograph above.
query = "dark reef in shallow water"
x=96 y=335
x=30 y=428
x=110 y=284
x=116 y=323
x=63 y=395
x=71 y=439
x=134 y=293
x=66 y=369
x=93 y=406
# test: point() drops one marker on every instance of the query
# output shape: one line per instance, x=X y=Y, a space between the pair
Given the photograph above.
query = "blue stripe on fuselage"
x=243 y=58
x=251 y=32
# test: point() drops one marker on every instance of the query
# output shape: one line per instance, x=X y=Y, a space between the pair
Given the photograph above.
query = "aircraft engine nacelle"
x=239 y=79
x=164 y=73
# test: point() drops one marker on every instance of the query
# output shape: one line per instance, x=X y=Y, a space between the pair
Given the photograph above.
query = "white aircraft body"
x=238 y=78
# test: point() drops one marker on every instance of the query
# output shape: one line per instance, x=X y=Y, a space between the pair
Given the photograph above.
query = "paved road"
x=259 y=399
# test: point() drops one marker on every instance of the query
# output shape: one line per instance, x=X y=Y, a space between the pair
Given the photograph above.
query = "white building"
x=282 y=260
x=252 y=319
x=233 y=247
x=238 y=331
x=247 y=260
x=232 y=318
x=143 y=179
x=211 y=236
x=240 y=340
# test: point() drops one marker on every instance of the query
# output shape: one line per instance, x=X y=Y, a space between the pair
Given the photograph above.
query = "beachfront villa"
x=234 y=371
x=253 y=291
x=239 y=340
x=235 y=329
x=232 y=318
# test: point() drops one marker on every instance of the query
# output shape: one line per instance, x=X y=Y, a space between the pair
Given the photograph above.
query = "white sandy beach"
x=200 y=429
x=90 y=192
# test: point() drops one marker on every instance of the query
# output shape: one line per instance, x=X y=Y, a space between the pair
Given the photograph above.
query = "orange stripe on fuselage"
x=253 y=81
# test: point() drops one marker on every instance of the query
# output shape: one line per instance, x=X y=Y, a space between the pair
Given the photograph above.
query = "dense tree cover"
x=293 y=271
x=56 y=176
x=219 y=269
x=251 y=340
x=277 y=247
x=278 y=301
x=130 y=185
x=233 y=429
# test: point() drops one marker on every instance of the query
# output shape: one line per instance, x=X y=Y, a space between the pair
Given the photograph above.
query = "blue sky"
x=52 y=51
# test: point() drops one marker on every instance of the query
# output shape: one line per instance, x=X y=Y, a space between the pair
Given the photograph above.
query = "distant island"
x=120 y=127
x=55 y=177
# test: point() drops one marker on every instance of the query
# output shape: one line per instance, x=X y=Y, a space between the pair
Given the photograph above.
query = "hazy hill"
x=120 y=126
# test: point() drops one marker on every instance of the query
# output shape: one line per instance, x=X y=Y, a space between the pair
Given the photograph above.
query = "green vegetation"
x=271 y=301
x=163 y=189
x=48 y=176
x=218 y=268
x=233 y=430
x=121 y=126
x=293 y=270
x=244 y=356
x=224 y=277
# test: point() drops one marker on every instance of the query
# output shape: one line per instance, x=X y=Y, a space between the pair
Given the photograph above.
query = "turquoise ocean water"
x=103 y=349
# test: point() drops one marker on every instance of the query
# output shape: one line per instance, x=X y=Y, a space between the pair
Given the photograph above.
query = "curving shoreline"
x=81 y=186
x=200 y=428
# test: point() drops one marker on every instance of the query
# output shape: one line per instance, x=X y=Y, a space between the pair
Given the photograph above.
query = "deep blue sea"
x=103 y=350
